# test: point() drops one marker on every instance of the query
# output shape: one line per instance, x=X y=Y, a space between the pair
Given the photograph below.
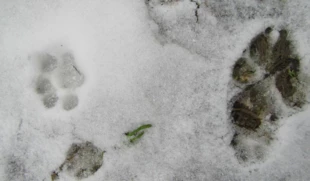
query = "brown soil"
x=260 y=49
x=251 y=107
x=282 y=54
x=244 y=117
x=242 y=71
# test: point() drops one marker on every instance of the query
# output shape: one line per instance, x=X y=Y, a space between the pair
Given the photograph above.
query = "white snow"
x=142 y=64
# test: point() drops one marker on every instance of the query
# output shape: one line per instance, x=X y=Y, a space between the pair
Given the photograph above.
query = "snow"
x=143 y=63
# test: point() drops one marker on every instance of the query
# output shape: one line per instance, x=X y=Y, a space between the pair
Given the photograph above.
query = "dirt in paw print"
x=82 y=160
x=59 y=77
x=267 y=74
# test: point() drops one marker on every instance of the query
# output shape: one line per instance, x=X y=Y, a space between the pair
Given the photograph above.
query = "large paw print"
x=268 y=74
x=59 y=74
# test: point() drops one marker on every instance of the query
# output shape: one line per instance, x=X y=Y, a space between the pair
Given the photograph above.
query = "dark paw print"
x=264 y=71
x=62 y=71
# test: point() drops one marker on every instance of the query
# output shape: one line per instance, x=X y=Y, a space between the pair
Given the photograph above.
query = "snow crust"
x=142 y=62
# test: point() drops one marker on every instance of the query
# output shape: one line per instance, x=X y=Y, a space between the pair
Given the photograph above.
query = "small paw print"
x=59 y=77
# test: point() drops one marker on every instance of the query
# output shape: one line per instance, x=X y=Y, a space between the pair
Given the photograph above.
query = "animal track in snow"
x=83 y=160
x=268 y=74
x=59 y=77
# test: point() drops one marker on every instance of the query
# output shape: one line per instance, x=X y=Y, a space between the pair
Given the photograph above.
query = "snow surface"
x=143 y=62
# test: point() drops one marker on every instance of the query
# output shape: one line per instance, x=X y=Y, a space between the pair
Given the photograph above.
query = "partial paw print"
x=82 y=160
x=58 y=79
x=268 y=74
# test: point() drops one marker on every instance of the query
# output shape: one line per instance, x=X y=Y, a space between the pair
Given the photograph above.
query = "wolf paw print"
x=58 y=79
x=268 y=76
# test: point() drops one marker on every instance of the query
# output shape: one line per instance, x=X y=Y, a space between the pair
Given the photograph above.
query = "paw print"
x=268 y=75
x=58 y=79
x=83 y=160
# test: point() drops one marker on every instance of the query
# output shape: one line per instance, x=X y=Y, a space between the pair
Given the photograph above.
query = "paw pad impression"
x=58 y=73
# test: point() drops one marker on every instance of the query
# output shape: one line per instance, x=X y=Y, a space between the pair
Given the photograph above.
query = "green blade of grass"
x=291 y=73
x=137 y=137
x=135 y=132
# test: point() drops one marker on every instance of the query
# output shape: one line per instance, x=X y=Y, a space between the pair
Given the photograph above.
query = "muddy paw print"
x=59 y=77
x=268 y=75
x=82 y=161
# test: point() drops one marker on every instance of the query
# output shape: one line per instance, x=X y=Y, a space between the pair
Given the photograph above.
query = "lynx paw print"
x=268 y=76
x=58 y=79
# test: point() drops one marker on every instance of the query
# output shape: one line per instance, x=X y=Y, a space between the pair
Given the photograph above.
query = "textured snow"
x=142 y=63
